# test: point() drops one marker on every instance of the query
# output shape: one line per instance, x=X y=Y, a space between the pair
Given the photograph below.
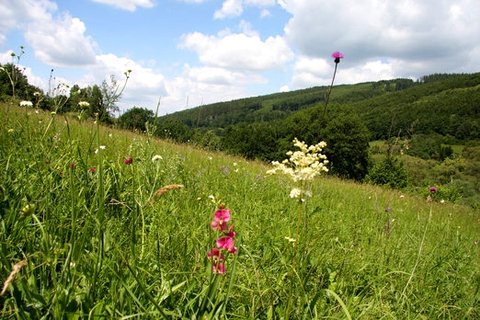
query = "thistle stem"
x=330 y=89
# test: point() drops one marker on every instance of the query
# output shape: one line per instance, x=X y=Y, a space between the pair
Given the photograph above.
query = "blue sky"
x=190 y=52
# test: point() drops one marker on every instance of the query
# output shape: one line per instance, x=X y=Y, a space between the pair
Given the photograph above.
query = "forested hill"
x=443 y=103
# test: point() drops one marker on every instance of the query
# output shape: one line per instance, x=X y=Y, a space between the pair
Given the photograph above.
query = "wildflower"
x=11 y=130
x=302 y=165
x=295 y=193
x=433 y=189
x=337 y=55
x=84 y=104
x=28 y=209
x=215 y=254
x=442 y=201
x=25 y=103
x=36 y=93
x=128 y=161
x=100 y=148
x=219 y=268
x=291 y=240
x=225 y=243
x=157 y=157
x=92 y=169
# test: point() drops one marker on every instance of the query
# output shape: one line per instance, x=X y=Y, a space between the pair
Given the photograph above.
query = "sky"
x=185 y=53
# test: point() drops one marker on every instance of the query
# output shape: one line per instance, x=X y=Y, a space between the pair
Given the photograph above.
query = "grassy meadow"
x=89 y=229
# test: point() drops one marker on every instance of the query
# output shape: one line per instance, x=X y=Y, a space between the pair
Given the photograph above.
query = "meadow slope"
x=87 y=232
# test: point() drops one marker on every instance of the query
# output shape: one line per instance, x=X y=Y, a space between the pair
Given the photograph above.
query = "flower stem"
x=330 y=89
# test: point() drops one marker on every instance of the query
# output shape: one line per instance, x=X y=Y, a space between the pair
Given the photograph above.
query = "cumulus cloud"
x=55 y=40
x=17 y=14
x=229 y=8
x=129 y=5
x=61 y=41
x=194 y=88
x=143 y=88
x=234 y=8
x=238 y=51
x=370 y=29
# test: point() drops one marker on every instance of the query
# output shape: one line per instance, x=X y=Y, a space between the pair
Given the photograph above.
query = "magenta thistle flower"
x=433 y=189
x=128 y=161
x=337 y=55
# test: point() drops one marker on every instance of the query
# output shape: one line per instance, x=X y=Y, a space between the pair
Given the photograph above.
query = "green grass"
x=103 y=245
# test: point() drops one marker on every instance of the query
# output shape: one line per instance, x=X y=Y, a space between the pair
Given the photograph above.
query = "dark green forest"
x=401 y=133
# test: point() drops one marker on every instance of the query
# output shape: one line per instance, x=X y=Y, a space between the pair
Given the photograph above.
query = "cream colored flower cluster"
x=303 y=165
x=84 y=104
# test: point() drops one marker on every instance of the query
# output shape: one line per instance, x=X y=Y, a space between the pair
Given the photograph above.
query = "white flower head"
x=100 y=148
x=156 y=158
x=84 y=104
x=302 y=165
x=25 y=103
x=295 y=193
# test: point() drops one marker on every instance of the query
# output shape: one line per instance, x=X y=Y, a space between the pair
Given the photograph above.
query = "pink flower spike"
x=233 y=250
x=337 y=55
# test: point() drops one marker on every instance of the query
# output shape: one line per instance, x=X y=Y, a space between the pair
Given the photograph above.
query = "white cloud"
x=193 y=1
x=371 y=29
x=56 y=41
x=229 y=8
x=16 y=14
x=309 y=72
x=61 y=41
x=129 y=5
x=238 y=51
x=144 y=86
x=235 y=8
x=191 y=89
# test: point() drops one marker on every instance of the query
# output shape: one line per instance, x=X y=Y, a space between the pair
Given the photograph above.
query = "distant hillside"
x=280 y=105
x=448 y=104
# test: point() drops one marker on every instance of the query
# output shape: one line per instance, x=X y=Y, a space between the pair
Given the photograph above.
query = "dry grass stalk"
x=16 y=269
x=167 y=188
